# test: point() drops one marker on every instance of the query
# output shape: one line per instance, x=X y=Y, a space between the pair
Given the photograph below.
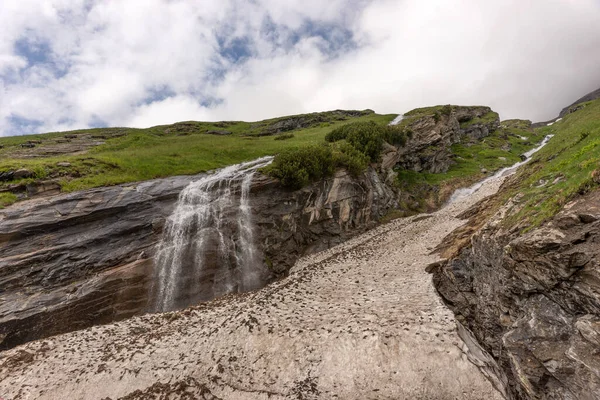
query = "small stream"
x=462 y=193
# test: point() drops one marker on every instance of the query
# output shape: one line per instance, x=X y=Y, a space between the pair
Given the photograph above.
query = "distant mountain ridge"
x=588 y=97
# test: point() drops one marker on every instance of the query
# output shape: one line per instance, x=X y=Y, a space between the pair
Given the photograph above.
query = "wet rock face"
x=533 y=301
x=429 y=147
x=70 y=261
x=76 y=260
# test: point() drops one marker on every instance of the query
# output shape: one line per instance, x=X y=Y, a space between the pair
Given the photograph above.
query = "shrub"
x=367 y=137
x=352 y=146
x=446 y=110
x=347 y=156
x=40 y=172
x=340 y=133
x=296 y=168
x=396 y=136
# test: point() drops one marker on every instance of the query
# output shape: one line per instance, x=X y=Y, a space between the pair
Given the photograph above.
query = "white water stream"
x=209 y=237
x=465 y=192
x=397 y=120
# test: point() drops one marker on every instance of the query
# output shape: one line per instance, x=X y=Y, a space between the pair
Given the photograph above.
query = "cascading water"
x=208 y=246
x=462 y=193
x=397 y=120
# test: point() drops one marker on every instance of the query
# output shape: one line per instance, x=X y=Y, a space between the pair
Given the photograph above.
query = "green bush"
x=347 y=156
x=352 y=146
x=396 y=135
x=296 y=168
x=446 y=110
x=368 y=137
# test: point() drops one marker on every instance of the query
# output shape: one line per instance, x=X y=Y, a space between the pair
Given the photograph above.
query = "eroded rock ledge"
x=75 y=260
x=533 y=301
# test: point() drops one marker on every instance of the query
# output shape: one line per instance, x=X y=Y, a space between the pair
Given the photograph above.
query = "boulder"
x=6 y=176
x=22 y=173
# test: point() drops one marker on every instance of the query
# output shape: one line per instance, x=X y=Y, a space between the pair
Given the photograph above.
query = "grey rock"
x=532 y=301
x=6 y=176
x=575 y=106
x=74 y=260
x=42 y=188
x=587 y=218
x=429 y=147
x=22 y=173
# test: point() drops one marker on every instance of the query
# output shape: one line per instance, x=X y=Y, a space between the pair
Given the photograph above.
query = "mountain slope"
x=524 y=274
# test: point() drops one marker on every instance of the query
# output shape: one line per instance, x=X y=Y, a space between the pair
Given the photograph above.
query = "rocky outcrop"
x=73 y=260
x=86 y=258
x=286 y=124
x=320 y=216
x=532 y=301
x=433 y=133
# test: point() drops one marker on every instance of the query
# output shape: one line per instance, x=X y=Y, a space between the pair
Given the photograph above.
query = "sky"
x=72 y=64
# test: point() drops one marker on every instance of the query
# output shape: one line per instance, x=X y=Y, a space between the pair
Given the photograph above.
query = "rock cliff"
x=434 y=130
x=532 y=300
x=359 y=321
x=86 y=258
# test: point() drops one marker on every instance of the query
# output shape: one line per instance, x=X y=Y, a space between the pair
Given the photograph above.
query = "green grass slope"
x=128 y=155
x=569 y=166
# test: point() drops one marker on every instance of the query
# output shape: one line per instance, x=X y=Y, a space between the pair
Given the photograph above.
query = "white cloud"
x=179 y=108
x=108 y=59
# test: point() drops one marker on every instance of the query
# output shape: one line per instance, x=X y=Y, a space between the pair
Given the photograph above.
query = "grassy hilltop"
x=107 y=156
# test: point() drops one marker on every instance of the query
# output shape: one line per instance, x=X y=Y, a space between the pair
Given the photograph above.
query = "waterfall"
x=397 y=120
x=208 y=247
x=462 y=193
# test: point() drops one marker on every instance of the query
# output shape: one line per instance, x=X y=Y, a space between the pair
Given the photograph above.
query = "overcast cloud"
x=69 y=64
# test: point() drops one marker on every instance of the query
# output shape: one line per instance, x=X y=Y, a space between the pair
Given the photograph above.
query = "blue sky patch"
x=35 y=53
x=97 y=122
x=336 y=39
x=22 y=126
x=235 y=50
x=158 y=94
